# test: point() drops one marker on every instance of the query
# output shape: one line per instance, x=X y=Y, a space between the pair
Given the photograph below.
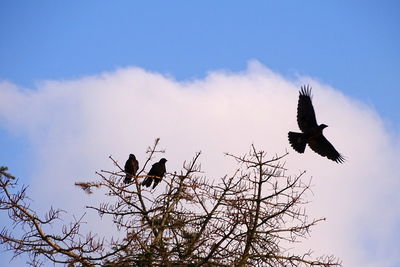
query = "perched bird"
x=131 y=167
x=156 y=173
x=311 y=131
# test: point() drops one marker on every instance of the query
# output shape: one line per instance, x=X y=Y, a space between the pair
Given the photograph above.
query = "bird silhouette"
x=311 y=132
x=131 y=167
x=155 y=174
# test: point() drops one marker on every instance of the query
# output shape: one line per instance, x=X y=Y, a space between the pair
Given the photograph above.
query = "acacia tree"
x=249 y=217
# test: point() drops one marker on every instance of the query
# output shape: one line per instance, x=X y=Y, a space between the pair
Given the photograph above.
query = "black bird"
x=156 y=173
x=311 y=131
x=131 y=167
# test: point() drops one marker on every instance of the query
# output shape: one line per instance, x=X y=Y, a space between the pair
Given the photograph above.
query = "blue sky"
x=351 y=45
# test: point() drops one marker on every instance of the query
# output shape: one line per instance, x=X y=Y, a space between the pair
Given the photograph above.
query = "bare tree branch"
x=251 y=217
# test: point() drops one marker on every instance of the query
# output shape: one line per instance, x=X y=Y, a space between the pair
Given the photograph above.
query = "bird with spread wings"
x=311 y=132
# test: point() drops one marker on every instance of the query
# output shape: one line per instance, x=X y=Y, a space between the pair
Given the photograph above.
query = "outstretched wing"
x=323 y=147
x=305 y=110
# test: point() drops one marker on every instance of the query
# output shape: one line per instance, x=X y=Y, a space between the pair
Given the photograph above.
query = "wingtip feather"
x=340 y=159
x=305 y=90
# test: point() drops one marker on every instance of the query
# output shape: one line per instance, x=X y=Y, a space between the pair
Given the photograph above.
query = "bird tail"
x=155 y=182
x=297 y=141
x=147 y=182
x=127 y=179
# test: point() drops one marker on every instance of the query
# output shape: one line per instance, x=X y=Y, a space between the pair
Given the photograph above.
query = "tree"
x=250 y=217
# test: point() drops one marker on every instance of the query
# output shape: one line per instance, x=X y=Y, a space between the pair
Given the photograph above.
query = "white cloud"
x=75 y=125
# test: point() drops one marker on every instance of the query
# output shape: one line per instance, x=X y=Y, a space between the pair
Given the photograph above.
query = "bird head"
x=132 y=156
x=163 y=160
x=323 y=126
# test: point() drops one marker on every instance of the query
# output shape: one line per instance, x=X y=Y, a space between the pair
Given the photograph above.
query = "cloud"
x=75 y=125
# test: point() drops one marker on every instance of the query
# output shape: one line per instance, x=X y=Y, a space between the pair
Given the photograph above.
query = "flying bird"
x=155 y=174
x=131 y=167
x=311 y=132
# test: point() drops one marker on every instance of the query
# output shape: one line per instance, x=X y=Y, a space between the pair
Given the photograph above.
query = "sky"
x=82 y=80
